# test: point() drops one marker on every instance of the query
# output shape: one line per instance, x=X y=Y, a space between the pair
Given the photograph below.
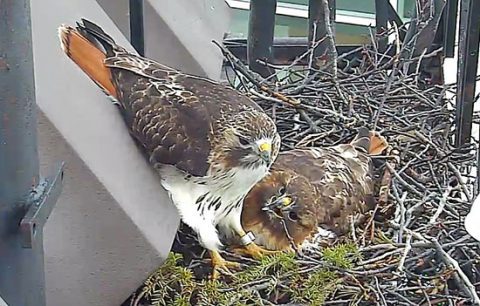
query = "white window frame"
x=298 y=10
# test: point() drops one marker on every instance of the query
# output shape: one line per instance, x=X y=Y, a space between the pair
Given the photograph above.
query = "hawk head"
x=283 y=202
x=249 y=140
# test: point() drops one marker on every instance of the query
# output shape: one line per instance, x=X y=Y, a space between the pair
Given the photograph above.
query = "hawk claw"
x=254 y=251
x=221 y=265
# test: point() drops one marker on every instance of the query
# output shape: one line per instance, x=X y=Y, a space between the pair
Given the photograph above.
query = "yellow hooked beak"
x=265 y=147
x=265 y=151
x=281 y=203
x=285 y=201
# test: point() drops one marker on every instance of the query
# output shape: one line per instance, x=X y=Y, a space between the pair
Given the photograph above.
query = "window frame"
x=298 y=10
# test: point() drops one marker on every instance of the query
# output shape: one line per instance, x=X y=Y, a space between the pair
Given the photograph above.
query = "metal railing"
x=468 y=42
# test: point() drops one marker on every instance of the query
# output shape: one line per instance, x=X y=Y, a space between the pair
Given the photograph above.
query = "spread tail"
x=84 y=45
x=378 y=143
x=370 y=142
x=362 y=140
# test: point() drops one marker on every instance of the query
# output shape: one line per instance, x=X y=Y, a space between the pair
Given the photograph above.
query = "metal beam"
x=26 y=200
x=381 y=20
x=316 y=16
x=21 y=269
x=450 y=27
x=467 y=68
x=137 y=34
x=261 y=27
x=393 y=17
x=422 y=30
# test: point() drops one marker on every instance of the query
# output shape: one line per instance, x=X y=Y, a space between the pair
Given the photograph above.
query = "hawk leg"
x=255 y=251
x=221 y=265
x=252 y=249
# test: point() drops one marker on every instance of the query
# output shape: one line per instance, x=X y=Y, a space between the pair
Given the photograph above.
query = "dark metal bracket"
x=43 y=199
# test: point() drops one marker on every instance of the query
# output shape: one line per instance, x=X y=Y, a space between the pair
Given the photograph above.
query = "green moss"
x=182 y=301
x=170 y=283
x=218 y=293
x=275 y=276
x=269 y=266
x=342 y=255
x=316 y=288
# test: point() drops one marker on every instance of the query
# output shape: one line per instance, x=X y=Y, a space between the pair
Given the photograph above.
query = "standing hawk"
x=209 y=143
x=312 y=191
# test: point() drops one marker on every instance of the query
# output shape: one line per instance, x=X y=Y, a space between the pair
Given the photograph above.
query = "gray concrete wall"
x=178 y=33
x=194 y=24
x=94 y=254
x=114 y=223
x=118 y=11
x=164 y=46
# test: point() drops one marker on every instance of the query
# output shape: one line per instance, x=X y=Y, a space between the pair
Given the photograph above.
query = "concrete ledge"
x=114 y=223
x=186 y=29
x=178 y=33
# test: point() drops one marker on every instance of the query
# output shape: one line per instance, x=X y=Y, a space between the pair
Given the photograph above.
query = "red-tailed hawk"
x=209 y=143
x=312 y=192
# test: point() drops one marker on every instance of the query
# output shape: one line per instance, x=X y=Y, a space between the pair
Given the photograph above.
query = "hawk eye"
x=282 y=190
x=243 y=141
x=293 y=216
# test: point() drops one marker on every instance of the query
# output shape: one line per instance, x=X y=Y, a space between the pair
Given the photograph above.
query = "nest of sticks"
x=413 y=249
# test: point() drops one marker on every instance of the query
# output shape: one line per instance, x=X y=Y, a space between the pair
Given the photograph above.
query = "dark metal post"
x=381 y=19
x=137 y=35
x=25 y=199
x=261 y=26
x=467 y=68
x=393 y=17
x=422 y=30
x=316 y=17
x=21 y=269
x=450 y=27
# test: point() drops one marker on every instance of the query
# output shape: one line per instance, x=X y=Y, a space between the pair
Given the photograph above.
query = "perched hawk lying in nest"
x=209 y=143
x=311 y=194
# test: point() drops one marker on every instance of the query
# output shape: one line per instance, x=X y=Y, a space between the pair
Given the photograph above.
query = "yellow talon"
x=254 y=251
x=221 y=265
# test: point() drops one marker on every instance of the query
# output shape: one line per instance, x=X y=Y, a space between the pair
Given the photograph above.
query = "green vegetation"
x=281 y=278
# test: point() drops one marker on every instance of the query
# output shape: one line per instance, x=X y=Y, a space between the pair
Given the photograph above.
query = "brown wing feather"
x=174 y=116
x=342 y=177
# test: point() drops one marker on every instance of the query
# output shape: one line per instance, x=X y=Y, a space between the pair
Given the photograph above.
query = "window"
x=353 y=19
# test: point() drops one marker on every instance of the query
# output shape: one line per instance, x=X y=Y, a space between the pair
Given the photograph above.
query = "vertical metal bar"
x=467 y=68
x=137 y=36
x=21 y=269
x=393 y=17
x=316 y=16
x=450 y=23
x=421 y=32
x=261 y=26
x=381 y=19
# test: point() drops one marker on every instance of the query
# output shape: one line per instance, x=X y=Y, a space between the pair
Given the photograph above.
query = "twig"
x=468 y=287
x=408 y=247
